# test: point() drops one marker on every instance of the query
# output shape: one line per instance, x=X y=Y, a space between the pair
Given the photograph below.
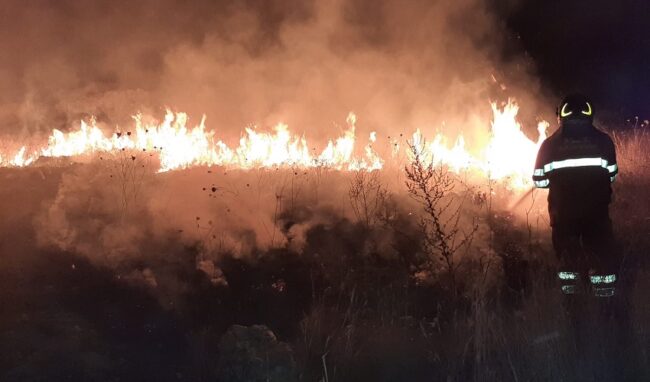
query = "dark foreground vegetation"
x=466 y=292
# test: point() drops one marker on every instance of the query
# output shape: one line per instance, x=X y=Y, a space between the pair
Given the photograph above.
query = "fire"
x=19 y=159
x=508 y=155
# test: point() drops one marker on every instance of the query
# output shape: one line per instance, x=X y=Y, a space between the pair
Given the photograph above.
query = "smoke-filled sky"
x=397 y=65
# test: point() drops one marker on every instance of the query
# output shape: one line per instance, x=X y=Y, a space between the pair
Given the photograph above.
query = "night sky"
x=598 y=47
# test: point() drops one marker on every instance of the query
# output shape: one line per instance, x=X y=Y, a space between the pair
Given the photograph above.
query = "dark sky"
x=598 y=47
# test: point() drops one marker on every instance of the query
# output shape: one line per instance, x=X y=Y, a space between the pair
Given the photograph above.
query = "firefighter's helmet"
x=575 y=106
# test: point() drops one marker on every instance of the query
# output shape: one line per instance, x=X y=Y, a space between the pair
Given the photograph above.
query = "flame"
x=19 y=160
x=437 y=152
x=508 y=155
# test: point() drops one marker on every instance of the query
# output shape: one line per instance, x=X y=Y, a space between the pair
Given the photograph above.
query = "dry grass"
x=495 y=333
x=350 y=306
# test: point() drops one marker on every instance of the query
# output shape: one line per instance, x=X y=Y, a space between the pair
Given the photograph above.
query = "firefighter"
x=578 y=164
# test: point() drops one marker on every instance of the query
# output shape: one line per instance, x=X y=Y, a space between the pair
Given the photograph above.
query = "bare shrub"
x=369 y=198
x=129 y=171
x=432 y=185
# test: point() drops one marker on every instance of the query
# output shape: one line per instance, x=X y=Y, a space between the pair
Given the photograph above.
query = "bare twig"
x=433 y=186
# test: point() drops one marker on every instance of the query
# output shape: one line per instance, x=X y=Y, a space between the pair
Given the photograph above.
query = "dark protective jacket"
x=577 y=163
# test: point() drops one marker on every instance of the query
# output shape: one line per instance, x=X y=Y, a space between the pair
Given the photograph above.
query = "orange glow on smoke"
x=508 y=155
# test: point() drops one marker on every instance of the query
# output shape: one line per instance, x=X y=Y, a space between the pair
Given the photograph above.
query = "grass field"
x=107 y=273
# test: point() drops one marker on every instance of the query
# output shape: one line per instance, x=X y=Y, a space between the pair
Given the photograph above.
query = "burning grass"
x=507 y=155
x=124 y=267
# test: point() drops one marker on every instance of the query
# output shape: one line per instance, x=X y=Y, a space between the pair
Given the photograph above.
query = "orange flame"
x=509 y=155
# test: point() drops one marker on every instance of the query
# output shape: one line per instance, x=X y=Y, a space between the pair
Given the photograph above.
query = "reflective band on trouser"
x=603 y=285
x=602 y=279
x=542 y=183
x=604 y=292
x=569 y=289
x=567 y=279
x=567 y=275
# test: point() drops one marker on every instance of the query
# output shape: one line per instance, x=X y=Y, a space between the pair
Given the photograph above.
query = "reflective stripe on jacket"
x=577 y=163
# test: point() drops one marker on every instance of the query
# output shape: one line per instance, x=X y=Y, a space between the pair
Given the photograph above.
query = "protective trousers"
x=589 y=255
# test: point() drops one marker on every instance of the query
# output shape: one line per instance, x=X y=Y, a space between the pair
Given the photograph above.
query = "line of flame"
x=509 y=154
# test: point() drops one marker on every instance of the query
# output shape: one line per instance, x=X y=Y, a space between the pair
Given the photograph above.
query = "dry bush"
x=369 y=198
x=631 y=204
x=632 y=153
x=129 y=170
x=433 y=186
x=631 y=217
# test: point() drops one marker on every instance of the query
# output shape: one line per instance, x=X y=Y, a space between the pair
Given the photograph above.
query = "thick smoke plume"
x=398 y=65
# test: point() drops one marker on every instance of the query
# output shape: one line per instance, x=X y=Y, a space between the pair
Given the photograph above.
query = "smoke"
x=115 y=219
x=398 y=66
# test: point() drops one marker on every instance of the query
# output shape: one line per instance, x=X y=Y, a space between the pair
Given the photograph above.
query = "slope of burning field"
x=116 y=192
x=200 y=248
x=123 y=269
